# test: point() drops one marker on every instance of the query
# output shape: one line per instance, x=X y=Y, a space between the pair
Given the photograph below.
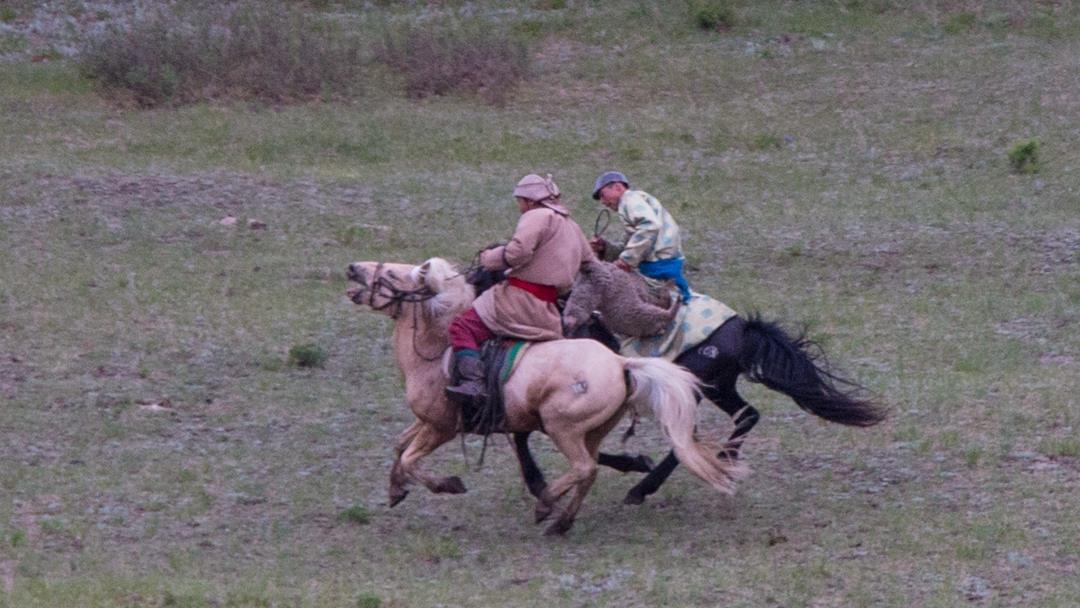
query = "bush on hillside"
x=1024 y=156
x=249 y=50
x=308 y=355
x=441 y=59
x=713 y=15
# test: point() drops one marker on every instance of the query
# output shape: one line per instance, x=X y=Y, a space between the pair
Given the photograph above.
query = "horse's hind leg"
x=534 y=477
x=716 y=363
x=592 y=445
x=719 y=373
x=580 y=478
x=426 y=439
x=743 y=415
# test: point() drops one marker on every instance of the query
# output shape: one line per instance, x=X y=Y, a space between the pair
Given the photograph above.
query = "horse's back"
x=577 y=356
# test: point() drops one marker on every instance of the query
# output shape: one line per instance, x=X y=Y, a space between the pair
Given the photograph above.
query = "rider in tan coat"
x=541 y=260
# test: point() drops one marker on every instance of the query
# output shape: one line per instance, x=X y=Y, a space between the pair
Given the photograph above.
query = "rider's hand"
x=598 y=245
x=623 y=265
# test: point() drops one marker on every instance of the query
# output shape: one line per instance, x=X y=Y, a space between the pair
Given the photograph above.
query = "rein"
x=605 y=214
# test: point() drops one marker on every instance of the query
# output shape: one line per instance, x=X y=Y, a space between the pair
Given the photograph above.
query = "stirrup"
x=466 y=394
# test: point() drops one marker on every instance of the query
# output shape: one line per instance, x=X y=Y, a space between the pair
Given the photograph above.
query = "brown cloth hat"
x=541 y=190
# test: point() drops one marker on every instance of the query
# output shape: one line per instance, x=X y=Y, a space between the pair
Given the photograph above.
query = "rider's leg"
x=467 y=333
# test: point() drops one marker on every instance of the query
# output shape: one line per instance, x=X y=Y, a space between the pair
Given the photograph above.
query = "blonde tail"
x=672 y=393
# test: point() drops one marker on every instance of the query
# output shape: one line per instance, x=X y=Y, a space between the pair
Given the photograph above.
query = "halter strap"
x=395 y=296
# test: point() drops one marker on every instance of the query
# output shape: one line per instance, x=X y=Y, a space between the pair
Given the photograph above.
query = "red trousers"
x=467 y=331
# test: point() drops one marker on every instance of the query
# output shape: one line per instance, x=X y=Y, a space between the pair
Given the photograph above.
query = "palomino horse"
x=575 y=391
x=759 y=350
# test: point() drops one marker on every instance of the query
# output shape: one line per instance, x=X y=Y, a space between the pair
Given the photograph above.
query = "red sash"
x=547 y=293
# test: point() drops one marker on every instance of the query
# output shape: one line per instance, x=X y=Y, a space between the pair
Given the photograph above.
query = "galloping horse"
x=575 y=391
x=759 y=350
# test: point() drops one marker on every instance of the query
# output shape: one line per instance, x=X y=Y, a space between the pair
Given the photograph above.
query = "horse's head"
x=384 y=287
x=388 y=287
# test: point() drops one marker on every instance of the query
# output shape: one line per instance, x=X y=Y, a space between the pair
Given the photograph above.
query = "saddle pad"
x=500 y=358
x=696 y=318
x=513 y=357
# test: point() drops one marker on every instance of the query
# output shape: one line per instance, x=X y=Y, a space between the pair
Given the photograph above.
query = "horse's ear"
x=419 y=274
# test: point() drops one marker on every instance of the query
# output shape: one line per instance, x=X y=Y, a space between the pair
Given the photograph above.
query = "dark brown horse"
x=761 y=351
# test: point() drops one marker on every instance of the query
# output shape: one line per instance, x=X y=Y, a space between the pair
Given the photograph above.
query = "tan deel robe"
x=547 y=248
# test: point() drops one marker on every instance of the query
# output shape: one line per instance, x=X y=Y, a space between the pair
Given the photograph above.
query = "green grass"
x=160 y=450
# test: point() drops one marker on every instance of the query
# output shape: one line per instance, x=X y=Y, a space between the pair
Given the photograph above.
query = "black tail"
x=773 y=358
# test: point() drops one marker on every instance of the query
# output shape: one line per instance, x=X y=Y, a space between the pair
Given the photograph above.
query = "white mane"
x=453 y=294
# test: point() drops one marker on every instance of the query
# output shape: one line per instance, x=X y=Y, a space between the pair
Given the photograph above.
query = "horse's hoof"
x=560 y=527
x=728 y=454
x=543 y=511
x=643 y=464
x=633 y=498
x=396 y=497
x=451 y=485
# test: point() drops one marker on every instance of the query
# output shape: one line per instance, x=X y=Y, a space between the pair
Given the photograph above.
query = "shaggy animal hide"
x=626 y=304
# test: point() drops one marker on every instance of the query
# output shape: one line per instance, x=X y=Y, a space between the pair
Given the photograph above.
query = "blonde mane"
x=453 y=295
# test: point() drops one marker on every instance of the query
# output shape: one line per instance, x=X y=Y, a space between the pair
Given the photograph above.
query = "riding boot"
x=470 y=388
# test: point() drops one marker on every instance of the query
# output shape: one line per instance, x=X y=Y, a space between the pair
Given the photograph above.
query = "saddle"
x=500 y=358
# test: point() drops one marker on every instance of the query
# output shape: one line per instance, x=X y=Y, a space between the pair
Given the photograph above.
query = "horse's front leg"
x=427 y=439
x=398 y=478
x=625 y=463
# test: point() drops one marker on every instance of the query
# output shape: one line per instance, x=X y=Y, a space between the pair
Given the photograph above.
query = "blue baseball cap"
x=608 y=178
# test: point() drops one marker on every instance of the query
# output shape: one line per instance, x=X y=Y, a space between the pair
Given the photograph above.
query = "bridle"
x=397 y=298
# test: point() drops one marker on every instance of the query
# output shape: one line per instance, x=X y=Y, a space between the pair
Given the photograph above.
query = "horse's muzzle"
x=355 y=274
x=356 y=294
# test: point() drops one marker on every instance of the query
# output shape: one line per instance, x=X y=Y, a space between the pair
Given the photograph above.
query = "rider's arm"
x=522 y=245
x=643 y=226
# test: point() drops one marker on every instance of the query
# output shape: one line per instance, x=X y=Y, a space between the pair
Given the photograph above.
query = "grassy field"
x=842 y=165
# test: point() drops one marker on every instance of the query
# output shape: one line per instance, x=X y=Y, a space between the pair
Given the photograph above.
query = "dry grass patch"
x=247 y=50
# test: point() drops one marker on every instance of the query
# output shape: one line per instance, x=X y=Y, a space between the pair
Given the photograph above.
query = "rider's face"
x=610 y=195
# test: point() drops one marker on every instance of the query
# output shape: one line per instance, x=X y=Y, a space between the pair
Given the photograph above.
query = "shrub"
x=440 y=59
x=1053 y=447
x=355 y=514
x=367 y=600
x=713 y=15
x=960 y=22
x=307 y=355
x=248 y=50
x=767 y=142
x=1024 y=156
x=7 y=14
